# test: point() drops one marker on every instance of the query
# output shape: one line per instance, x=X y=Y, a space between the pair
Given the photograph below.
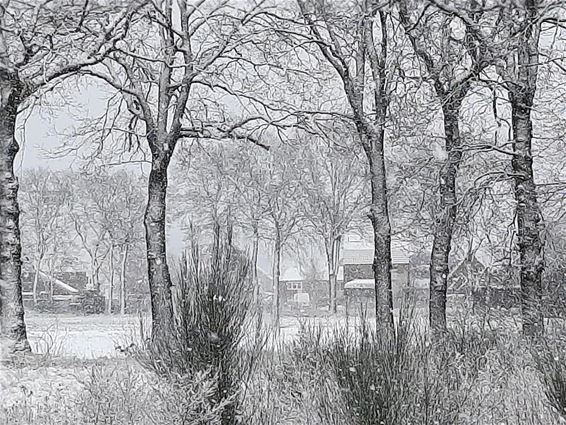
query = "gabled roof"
x=64 y=288
x=360 y=284
x=358 y=249
x=365 y=256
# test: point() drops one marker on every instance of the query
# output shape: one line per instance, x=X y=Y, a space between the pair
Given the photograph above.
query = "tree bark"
x=158 y=270
x=333 y=260
x=12 y=324
x=255 y=251
x=111 y=288
x=36 y=280
x=123 y=293
x=529 y=216
x=379 y=216
x=276 y=290
x=445 y=216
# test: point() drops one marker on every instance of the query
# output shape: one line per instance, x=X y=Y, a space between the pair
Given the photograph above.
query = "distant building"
x=62 y=283
x=60 y=292
x=357 y=263
x=296 y=287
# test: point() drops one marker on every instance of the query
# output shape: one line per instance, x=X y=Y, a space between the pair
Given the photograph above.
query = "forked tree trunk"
x=123 y=293
x=379 y=216
x=13 y=335
x=276 y=289
x=529 y=217
x=158 y=270
x=445 y=216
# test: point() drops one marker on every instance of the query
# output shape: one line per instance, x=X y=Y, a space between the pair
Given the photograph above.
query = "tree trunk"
x=12 y=324
x=36 y=280
x=336 y=266
x=529 y=217
x=276 y=290
x=111 y=288
x=379 y=216
x=329 y=246
x=255 y=251
x=94 y=275
x=332 y=260
x=51 y=289
x=445 y=216
x=158 y=270
x=123 y=293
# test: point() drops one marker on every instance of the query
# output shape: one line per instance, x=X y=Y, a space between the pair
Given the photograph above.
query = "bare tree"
x=278 y=182
x=39 y=45
x=516 y=46
x=162 y=71
x=519 y=74
x=123 y=218
x=44 y=198
x=224 y=183
x=360 y=59
x=453 y=61
x=335 y=198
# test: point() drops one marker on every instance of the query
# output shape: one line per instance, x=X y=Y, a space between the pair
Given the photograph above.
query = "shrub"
x=216 y=328
x=402 y=380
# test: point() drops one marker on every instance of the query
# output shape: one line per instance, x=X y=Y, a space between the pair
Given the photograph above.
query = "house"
x=357 y=263
x=58 y=284
x=306 y=289
x=60 y=292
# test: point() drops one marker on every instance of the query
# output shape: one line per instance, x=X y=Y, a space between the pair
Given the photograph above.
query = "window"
x=295 y=285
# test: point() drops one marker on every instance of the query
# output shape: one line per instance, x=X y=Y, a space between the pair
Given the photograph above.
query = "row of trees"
x=82 y=221
x=276 y=75
x=304 y=192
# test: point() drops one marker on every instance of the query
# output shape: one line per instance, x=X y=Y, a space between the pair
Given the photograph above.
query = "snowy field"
x=80 y=336
x=90 y=337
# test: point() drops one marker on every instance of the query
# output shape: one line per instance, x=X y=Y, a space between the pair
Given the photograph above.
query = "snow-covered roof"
x=360 y=284
x=358 y=249
x=365 y=256
x=294 y=274
x=291 y=274
x=59 y=283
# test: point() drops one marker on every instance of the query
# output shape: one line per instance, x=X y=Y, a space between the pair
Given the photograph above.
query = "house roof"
x=364 y=255
x=360 y=284
x=359 y=249
x=44 y=278
x=294 y=274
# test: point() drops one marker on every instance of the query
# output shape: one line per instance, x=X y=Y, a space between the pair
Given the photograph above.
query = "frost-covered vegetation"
x=474 y=376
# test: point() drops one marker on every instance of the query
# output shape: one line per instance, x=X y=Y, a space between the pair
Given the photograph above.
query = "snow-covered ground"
x=80 y=336
x=96 y=336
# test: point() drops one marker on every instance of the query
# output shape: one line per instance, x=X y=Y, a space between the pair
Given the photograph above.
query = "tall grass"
x=217 y=331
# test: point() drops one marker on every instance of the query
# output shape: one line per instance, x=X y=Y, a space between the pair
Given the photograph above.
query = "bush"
x=216 y=330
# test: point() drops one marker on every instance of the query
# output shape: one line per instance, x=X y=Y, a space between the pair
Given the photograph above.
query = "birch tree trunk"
x=445 y=216
x=123 y=293
x=12 y=325
x=158 y=270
